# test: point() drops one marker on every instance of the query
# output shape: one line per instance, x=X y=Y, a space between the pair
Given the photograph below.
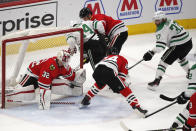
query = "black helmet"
x=85 y=12
x=112 y=51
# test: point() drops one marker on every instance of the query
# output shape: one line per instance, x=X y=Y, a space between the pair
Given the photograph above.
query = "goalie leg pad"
x=64 y=87
x=44 y=99
x=22 y=93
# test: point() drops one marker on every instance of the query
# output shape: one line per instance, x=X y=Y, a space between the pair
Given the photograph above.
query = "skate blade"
x=152 y=88
x=82 y=106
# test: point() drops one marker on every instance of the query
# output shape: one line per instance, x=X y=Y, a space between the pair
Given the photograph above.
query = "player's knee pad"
x=22 y=93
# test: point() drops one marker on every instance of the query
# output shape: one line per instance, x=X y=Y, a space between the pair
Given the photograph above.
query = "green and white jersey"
x=169 y=34
x=191 y=89
x=89 y=28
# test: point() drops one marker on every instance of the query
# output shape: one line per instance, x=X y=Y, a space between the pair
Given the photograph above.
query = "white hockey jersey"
x=169 y=34
x=191 y=89
x=89 y=28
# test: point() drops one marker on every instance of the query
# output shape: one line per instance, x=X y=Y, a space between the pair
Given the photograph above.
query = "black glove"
x=182 y=99
x=186 y=127
x=148 y=55
x=85 y=58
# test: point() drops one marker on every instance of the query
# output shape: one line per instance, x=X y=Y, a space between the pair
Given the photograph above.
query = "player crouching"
x=52 y=75
x=113 y=71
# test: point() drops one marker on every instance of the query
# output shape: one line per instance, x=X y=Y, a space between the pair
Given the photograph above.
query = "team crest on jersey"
x=129 y=9
x=52 y=67
x=96 y=6
x=169 y=6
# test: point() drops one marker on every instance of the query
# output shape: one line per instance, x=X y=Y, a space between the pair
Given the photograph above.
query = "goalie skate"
x=154 y=84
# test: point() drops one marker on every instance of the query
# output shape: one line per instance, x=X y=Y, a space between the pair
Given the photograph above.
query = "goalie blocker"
x=52 y=75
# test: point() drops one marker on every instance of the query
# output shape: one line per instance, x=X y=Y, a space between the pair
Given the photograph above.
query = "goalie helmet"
x=112 y=51
x=85 y=12
x=159 y=15
x=64 y=57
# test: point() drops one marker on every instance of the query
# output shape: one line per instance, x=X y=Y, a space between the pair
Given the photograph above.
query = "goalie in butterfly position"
x=188 y=115
x=52 y=75
x=113 y=71
x=179 y=44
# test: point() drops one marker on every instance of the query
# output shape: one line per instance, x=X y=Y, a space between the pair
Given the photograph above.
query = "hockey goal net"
x=20 y=48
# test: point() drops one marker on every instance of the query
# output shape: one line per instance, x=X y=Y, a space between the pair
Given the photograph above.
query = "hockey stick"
x=33 y=102
x=167 y=98
x=135 y=64
x=125 y=128
x=161 y=109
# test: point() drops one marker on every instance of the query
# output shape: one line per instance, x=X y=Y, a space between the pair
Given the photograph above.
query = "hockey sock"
x=162 y=66
x=184 y=63
x=131 y=99
x=94 y=91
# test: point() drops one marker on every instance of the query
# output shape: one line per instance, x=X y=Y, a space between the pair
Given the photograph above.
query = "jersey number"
x=45 y=74
x=87 y=29
x=176 y=27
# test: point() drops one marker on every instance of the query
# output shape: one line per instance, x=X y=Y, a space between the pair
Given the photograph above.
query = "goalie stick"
x=167 y=98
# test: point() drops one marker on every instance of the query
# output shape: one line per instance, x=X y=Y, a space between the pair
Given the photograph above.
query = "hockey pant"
x=179 y=53
x=118 y=40
x=98 y=49
x=106 y=76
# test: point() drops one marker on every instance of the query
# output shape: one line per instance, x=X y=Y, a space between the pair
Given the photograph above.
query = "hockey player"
x=45 y=75
x=94 y=44
x=179 y=44
x=113 y=70
x=115 y=30
x=189 y=113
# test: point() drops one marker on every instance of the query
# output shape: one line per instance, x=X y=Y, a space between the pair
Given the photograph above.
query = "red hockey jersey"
x=192 y=111
x=112 y=27
x=46 y=70
x=118 y=63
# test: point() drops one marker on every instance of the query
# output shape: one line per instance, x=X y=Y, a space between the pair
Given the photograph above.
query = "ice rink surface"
x=108 y=109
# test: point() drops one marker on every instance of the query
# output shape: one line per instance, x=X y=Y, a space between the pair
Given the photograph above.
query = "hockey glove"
x=186 y=127
x=182 y=99
x=148 y=55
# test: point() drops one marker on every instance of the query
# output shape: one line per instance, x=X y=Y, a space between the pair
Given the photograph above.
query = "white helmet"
x=159 y=15
x=64 y=57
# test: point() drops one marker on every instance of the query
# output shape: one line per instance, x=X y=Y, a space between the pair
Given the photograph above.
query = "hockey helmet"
x=64 y=57
x=85 y=12
x=112 y=51
x=159 y=15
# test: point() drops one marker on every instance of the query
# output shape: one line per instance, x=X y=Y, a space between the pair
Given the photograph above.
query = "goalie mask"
x=64 y=57
x=85 y=12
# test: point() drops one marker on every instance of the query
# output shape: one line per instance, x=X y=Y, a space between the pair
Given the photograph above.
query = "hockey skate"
x=174 y=126
x=141 y=112
x=153 y=85
x=85 y=102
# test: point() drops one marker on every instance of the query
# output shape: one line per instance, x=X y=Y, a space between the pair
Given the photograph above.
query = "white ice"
x=108 y=109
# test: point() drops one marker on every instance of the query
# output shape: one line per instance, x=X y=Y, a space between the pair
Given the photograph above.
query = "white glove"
x=44 y=100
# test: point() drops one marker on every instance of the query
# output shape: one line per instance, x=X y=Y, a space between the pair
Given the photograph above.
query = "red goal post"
x=51 y=32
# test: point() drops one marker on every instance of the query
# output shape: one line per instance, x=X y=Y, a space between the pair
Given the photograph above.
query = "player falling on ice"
x=113 y=71
x=115 y=30
x=49 y=74
x=176 y=38
x=94 y=44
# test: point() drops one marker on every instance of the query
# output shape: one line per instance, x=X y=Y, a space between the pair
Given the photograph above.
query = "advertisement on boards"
x=28 y=16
